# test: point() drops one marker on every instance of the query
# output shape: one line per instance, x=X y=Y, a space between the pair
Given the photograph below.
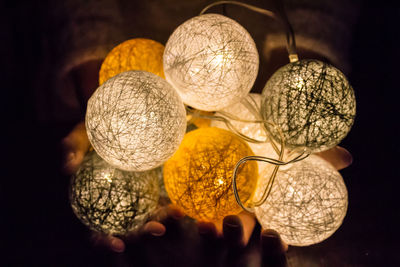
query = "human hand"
x=238 y=228
x=74 y=146
x=154 y=227
x=338 y=156
x=235 y=228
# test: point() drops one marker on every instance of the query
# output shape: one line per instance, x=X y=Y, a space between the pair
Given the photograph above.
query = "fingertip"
x=117 y=245
x=68 y=166
x=154 y=228
x=249 y=222
x=175 y=212
x=207 y=229
x=233 y=230
x=108 y=242
x=271 y=243
x=72 y=162
x=347 y=158
x=339 y=157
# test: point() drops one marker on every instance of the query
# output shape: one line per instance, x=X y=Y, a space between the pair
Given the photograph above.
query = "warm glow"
x=307 y=203
x=198 y=178
x=211 y=61
x=135 y=121
x=135 y=54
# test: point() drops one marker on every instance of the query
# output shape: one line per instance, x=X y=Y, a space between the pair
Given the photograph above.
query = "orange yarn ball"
x=135 y=54
x=198 y=177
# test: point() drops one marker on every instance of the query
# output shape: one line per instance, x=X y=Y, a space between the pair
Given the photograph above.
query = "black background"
x=37 y=223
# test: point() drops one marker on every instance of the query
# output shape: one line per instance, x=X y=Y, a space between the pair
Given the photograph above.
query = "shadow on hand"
x=182 y=245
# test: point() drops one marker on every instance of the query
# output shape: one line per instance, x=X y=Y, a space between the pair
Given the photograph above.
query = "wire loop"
x=281 y=17
x=268 y=188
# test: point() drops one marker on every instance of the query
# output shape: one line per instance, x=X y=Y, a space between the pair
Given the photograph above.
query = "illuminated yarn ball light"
x=198 y=178
x=312 y=102
x=307 y=204
x=211 y=61
x=112 y=201
x=135 y=121
x=135 y=54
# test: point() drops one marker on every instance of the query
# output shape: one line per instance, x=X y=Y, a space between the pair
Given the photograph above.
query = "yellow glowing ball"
x=198 y=177
x=134 y=54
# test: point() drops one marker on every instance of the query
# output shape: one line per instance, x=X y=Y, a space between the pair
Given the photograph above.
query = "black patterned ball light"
x=311 y=102
x=113 y=201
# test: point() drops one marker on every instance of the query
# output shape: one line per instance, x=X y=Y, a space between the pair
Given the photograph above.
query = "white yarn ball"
x=307 y=204
x=135 y=121
x=211 y=61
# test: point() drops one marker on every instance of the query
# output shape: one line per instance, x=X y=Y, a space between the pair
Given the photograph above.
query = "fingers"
x=167 y=212
x=338 y=156
x=273 y=249
x=108 y=242
x=174 y=212
x=154 y=228
x=237 y=229
x=208 y=230
x=75 y=145
x=169 y=215
x=233 y=230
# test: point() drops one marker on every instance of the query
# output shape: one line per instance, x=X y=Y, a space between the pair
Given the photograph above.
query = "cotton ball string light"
x=211 y=61
x=135 y=121
x=307 y=203
x=112 y=201
x=311 y=102
x=135 y=54
x=198 y=178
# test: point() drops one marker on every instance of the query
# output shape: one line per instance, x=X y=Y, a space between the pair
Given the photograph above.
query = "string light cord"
x=197 y=114
x=253 y=107
x=270 y=182
x=227 y=117
x=281 y=17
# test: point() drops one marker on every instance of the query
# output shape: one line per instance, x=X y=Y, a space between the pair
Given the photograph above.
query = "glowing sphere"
x=198 y=178
x=135 y=121
x=307 y=204
x=211 y=61
x=135 y=54
x=112 y=201
x=312 y=102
